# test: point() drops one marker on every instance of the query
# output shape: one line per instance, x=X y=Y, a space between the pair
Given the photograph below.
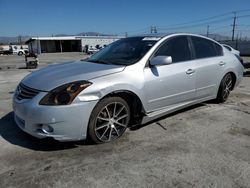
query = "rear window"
x=205 y=48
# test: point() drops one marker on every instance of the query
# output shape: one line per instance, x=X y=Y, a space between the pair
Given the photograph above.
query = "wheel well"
x=134 y=102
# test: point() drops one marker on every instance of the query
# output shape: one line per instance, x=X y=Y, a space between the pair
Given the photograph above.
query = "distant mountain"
x=218 y=37
x=60 y=35
x=83 y=34
x=93 y=34
x=13 y=40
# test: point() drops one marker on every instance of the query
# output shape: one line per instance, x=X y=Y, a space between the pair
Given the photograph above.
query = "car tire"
x=226 y=86
x=20 y=53
x=109 y=120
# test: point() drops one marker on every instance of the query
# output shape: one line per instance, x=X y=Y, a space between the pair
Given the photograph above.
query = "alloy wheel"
x=111 y=122
x=227 y=87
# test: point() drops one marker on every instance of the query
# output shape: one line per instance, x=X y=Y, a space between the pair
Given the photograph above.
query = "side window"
x=218 y=49
x=204 y=48
x=228 y=48
x=177 y=48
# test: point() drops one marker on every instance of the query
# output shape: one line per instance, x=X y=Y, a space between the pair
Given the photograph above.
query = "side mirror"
x=161 y=60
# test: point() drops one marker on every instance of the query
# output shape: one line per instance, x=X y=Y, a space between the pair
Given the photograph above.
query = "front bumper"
x=68 y=123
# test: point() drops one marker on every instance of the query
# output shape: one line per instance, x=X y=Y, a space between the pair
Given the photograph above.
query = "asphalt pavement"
x=206 y=145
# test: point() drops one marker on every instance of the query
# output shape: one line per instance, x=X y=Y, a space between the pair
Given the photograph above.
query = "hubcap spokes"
x=111 y=122
x=227 y=87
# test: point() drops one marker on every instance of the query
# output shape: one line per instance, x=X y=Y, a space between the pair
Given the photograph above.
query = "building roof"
x=72 y=38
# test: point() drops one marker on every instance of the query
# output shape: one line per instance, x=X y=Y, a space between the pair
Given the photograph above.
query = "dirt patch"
x=239 y=130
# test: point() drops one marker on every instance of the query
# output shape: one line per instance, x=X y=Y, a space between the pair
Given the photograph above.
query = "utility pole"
x=37 y=45
x=207 y=30
x=19 y=38
x=237 y=38
x=155 y=30
x=234 y=24
x=126 y=34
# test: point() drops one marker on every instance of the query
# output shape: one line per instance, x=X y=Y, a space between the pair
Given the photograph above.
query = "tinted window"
x=228 y=48
x=218 y=49
x=204 y=48
x=177 y=48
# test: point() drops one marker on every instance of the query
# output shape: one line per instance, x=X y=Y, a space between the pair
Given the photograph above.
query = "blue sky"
x=47 y=17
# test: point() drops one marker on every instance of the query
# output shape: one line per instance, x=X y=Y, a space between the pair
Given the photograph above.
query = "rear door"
x=173 y=84
x=208 y=64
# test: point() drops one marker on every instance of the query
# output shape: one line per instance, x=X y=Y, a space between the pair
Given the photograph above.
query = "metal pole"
x=155 y=30
x=207 y=30
x=237 y=41
x=234 y=23
x=37 y=45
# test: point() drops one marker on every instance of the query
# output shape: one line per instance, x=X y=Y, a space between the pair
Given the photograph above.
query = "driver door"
x=173 y=84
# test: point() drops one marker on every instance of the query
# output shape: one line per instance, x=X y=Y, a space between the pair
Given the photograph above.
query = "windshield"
x=125 y=51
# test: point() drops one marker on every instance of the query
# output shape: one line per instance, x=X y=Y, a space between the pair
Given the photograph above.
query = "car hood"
x=53 y=76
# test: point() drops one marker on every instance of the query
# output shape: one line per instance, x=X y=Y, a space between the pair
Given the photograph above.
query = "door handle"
x=222 y=63
x=190 y=71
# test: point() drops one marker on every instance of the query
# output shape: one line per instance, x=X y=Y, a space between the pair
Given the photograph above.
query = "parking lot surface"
x=206 y=145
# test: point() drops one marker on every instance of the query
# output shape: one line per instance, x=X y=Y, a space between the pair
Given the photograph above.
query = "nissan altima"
x=132 y=81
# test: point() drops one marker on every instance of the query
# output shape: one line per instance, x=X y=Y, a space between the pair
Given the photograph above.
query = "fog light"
x=47 y=129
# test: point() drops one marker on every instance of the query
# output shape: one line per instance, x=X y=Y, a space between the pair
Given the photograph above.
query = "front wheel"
x=226 y=86
x=109 y=120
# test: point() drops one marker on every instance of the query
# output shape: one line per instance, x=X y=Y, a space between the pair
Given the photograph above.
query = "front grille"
x=24 y=92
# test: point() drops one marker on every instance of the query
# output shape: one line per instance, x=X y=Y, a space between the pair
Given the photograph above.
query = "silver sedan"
x=132 y=81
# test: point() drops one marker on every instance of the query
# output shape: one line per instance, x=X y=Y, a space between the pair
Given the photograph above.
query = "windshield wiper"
x=98 y=61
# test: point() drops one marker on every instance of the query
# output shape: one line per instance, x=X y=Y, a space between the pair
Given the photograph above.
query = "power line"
x=134 y=31
x=234 y=23
x=243 y=25
x=211 y=18
x=204 y=19
x=221 y=27
x=207 y=23
x=196 y=25
x=243 y=16
x=243 y=10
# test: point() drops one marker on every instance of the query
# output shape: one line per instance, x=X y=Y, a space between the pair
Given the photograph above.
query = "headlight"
x=64 y=94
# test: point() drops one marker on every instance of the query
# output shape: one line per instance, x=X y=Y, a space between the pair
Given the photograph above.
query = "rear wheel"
x=226 y=86
x=109 y=120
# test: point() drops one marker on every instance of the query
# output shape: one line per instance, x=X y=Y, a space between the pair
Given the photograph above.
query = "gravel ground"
x=207 y=145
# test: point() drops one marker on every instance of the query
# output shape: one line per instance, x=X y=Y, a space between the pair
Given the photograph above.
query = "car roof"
x=227 y=45
x=162 y=35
